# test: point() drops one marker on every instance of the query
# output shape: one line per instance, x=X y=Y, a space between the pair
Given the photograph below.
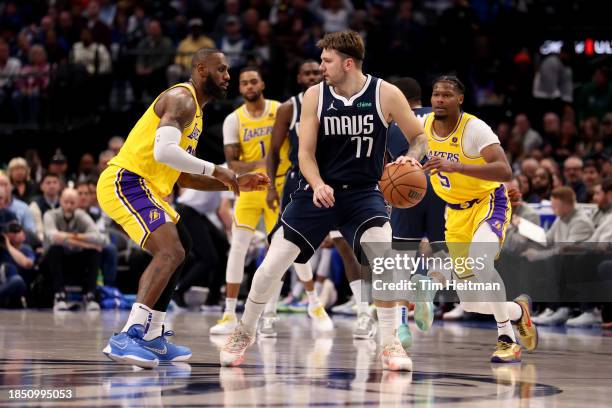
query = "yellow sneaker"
x=506 y=351
x=527 y=331
x=226 y=325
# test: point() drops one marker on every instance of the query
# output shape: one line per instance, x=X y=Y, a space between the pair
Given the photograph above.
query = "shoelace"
x=237 y=341
x=521 y=329
x=502 y=345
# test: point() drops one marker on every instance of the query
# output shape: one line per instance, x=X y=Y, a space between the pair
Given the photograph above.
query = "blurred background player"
x=246 y=135
x=422 y=224
x=468 y=168
x=158 y=153
x=286 y=127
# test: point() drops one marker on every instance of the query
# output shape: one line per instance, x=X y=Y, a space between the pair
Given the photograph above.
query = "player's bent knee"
x=377 y=234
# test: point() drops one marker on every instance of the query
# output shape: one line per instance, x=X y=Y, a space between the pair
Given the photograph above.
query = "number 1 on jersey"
x=263 y=149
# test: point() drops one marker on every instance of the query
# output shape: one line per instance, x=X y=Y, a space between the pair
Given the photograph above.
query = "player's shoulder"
x=178 y=98
x=313 y=91
x=476 y=124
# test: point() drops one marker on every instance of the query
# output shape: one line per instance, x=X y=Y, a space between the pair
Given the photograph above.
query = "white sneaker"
x=348 y=308
x=232 y=353
x=560 y=316
x=196 y=296
x=365 y=328
x=545 y=313
x=456 y=314
x=226 y=325
x=328 y=295
x=320 y=319
x=92 y=306
x=394 y=357
x=60 y=306
x=266 y=325
x=586 y=319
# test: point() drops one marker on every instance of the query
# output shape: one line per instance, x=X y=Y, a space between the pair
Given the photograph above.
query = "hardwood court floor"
x=40 y=350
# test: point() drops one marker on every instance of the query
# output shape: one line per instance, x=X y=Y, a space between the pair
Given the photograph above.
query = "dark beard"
x=254 y=98
x=213 y=90
x=440 y=117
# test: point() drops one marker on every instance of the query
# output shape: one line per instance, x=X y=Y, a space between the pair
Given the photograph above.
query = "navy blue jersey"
x=294 y=127
x=397 y=145
x=352 y=135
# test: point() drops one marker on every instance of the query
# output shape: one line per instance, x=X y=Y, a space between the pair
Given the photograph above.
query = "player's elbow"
x=506 y=173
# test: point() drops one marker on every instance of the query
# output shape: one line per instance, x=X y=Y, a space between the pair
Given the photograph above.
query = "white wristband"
x=209 y=168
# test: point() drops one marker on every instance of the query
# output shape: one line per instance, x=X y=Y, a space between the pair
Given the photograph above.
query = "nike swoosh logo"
x=118 y=344
x=158 y=351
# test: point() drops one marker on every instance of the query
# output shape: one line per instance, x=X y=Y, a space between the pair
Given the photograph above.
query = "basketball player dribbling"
x=468 y=167
x=158 y=153
x=342 y=146
x=286 y=127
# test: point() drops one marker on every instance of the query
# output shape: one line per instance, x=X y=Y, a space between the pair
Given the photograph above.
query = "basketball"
x=403 y=185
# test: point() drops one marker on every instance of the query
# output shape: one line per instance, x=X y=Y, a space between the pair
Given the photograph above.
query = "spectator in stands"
x=57 y=51
x=9 y=68
x=572 y=173
x=553 y=83
x=99 y=29
x=250 y=20
x=12 y=284
x=541 y=186
x=154 y=54
x=18 y=172
x=571 y=226
x=67 y=30
x=35 y=164
x=515 y=242
x=591 y=176
x=531 y=139
x=181 y=69
x=16 y=252
x=115 y=144
x=232 y=9
x=108 y=9
x=108 y=257
x=595 y=97
x=50 y=187
x=16 y=206
x=24 y=44
x=73 y=245
x=31 y=85
x=335 y=14
x=103 y=158
x=590 y=143
x=233 y=44
x=87 y=168
x=58 y=165
x=565 y=145
x=529 y=167
x=92 y=55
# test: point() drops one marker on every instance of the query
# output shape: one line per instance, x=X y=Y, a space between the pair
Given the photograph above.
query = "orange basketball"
x=403 y=185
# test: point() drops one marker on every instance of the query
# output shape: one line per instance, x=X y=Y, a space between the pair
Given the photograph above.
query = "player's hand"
x=227 y=177
x=515 y=196
x=272 y=199
x=436 y=164
x=323 y=196
x=531 y=254
x=404 y=160
x=253 y=182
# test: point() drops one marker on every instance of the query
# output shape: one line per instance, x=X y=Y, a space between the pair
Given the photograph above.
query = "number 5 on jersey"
x=444 y=181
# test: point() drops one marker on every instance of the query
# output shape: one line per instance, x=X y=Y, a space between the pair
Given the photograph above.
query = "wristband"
x=209 y=168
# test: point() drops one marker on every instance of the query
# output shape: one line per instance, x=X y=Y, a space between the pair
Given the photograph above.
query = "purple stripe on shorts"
x=134 y=192
x=497 y=220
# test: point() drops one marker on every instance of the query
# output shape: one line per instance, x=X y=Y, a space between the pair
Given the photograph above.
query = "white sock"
x=515 y=311
x=271 y=305
x=140 y=314
x=230 y=305
x=356 y=288
x=386 y=324
x=313 y=299
x=157 y=323
x=506 y=328
x=318 y=286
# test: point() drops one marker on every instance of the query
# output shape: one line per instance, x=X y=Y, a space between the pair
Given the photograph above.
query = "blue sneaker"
x=423 y=307
x=164 y=350
x=125 y=348
x=405 y=336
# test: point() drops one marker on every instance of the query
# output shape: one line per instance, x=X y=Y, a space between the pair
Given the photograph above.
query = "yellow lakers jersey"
x=255 y=136
x=455 y=188
x=136 y=155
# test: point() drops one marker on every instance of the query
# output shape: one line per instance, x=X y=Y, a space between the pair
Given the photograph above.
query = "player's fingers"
x=315 y=201
x=234 y=186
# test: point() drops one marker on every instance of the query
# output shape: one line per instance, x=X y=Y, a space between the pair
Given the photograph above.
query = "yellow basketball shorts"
x=251 y=206
x=462 y=221
x=129 y=200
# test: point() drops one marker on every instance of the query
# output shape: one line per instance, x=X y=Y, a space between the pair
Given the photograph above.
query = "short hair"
x=201 y=55
x=453 y=80
x=307 y=61
x=82 y=183
x=347 y=42
x=565 y=194
x=47 y=175
x=251 y=68
x=16 y=162
x=592 y=163
x=410 y=87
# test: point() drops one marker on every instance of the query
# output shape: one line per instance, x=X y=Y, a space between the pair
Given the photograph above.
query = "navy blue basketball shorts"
x=356 y=209
x=292 y=179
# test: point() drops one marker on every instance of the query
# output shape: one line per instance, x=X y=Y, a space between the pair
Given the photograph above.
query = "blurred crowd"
x=552 y=113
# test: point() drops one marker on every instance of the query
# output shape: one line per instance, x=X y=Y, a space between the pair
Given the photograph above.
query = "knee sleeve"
x=241 y=239
x=377 y=234
x=324 y=263
x=280 y=256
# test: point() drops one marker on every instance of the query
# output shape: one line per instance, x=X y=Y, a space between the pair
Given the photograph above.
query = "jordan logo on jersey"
x=348 y=125
x=331 y=107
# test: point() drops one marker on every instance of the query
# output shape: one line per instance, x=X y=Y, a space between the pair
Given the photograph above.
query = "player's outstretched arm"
x=395 y=107
x=246 y=182
x=279 y=134
x=176 y=108
x=323 y=195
